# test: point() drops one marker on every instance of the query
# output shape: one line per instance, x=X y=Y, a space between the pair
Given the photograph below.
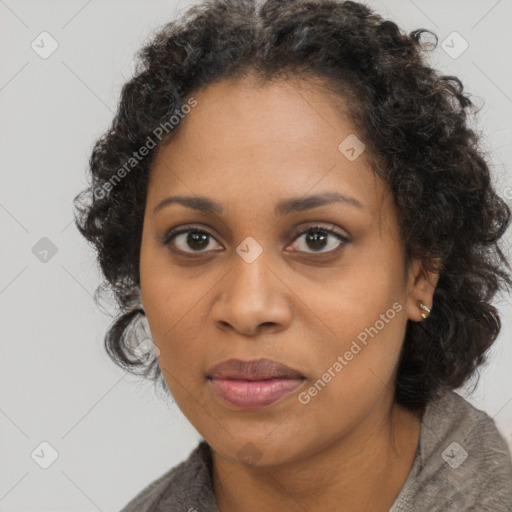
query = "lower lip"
x=252 y=394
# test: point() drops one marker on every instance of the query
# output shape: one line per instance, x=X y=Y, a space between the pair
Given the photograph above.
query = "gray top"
x=462 y=464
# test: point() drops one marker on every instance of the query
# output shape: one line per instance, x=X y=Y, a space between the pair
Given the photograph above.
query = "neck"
x=362 y=470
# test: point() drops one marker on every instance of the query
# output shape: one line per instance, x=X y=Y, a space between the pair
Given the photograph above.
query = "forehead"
x=249 y=140
x=241 y=115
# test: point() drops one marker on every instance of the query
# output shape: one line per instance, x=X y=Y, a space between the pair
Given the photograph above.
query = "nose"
x=253 y=298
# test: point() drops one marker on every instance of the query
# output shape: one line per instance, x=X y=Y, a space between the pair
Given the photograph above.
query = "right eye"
x=195 y=238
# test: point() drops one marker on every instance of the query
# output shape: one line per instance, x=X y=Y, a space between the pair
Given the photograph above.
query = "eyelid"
x=328 y=227
x=184 y=229
x=299 y=231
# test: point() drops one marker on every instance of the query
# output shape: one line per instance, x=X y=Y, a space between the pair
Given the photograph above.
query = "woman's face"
x=248 y=281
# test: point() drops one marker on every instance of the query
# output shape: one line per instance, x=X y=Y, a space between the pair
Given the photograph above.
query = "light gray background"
x=112 y=435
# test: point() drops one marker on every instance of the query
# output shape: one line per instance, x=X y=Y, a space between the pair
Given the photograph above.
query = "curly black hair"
x=413 y=121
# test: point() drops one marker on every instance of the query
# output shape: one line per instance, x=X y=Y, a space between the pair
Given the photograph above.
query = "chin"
x=259 y=451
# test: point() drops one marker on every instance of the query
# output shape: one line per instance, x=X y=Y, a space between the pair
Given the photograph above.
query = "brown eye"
x=195 y=239
x=317 y=238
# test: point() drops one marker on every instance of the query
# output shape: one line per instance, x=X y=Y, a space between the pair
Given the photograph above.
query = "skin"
x=248 y=147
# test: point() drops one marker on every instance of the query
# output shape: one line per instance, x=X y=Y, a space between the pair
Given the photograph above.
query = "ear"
x=421 y=287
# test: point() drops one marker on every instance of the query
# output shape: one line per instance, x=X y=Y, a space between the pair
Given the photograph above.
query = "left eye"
x=317 y=238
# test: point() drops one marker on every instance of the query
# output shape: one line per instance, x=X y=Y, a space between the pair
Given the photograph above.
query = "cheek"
x=363 y=335
x=352 y=377
x=172 y=305
x=175 y=327
x=164 y=292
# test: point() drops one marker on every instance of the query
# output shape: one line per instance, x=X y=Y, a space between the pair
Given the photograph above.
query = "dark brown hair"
x=412 y=120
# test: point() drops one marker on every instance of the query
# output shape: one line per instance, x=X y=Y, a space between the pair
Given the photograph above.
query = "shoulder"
x=453 y=419
x=184 y=487
x=464 y=462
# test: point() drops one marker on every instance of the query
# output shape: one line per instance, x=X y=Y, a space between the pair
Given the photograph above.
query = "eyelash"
x=169 y=237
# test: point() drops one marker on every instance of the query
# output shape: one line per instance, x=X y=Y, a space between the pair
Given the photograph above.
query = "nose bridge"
x=251 y=294
x=251 y=275
x=252 y=256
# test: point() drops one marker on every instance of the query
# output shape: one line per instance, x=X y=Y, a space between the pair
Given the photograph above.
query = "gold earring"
x=422 y=306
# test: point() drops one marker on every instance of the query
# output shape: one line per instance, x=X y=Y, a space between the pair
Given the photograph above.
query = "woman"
x=294 y=202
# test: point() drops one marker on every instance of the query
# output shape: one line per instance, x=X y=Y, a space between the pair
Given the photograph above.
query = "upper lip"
x=256 y=369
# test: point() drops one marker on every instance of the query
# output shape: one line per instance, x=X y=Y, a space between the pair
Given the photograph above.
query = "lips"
x=257 y=369
x=252 y=384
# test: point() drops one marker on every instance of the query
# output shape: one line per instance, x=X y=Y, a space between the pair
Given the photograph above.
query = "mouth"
x=256 y=369
x=253 y=384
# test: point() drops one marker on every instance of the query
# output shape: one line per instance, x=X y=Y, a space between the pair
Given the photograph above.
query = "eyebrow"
x=283 y=207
